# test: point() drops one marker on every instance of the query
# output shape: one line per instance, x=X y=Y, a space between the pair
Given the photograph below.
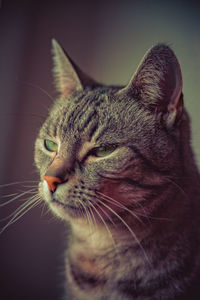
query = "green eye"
x=50 y=145
x=103 y=150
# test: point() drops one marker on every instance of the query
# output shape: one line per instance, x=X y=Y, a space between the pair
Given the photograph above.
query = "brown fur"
x=133 y=214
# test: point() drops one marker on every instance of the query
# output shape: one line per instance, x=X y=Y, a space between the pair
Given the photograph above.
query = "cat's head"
x=104 y=150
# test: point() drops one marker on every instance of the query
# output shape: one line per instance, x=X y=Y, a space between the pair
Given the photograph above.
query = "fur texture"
x=133 y=210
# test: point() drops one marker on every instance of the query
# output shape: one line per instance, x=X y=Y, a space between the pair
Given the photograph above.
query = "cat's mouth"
x=55 y=201
x=72 y=210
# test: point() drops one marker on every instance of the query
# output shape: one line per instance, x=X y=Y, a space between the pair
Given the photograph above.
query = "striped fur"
x=133 y=214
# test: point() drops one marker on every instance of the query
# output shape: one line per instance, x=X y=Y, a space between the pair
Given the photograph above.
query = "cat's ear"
x=157 y=83
x=68 y=77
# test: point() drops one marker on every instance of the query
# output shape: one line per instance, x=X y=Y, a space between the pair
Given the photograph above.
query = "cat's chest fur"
x=98 y=264
x=97 y=269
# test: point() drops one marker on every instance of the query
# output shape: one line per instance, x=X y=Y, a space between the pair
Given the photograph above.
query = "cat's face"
x=101 y=150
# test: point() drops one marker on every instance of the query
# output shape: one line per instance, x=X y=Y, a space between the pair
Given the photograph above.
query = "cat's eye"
x=50 y=145
x=103 y=150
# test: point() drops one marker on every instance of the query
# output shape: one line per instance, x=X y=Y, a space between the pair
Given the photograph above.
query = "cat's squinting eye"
x=50 y=145
x=103 y=150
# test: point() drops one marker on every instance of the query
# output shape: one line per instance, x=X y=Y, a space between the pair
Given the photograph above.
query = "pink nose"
x=52 y=182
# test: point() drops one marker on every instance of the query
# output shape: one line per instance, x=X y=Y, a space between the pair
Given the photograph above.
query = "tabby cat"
x=116 y=165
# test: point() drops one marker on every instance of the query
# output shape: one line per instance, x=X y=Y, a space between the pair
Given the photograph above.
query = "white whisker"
x=19 y=214
x=16 y=197
x=129 y=229
x=22 y=206
x=17 y=182
x=9 y=195
x=115 y=202
x=43 y=208
x=177 y=186
x=93 y=218
x=104 y=223
x=105 y=213
x=39 y=88
x=88 y=217
x=145 y=215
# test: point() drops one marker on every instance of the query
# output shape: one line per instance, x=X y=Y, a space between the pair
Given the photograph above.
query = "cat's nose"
x=52 y=182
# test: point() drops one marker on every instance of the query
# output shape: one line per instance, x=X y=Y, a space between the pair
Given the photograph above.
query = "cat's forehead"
x=83 y=114
x=97 y=116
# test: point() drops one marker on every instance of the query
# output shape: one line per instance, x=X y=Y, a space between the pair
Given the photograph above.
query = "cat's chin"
x=65 y=211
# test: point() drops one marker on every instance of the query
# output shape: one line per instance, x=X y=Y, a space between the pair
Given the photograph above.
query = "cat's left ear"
x=157 y=84
x=68 y=77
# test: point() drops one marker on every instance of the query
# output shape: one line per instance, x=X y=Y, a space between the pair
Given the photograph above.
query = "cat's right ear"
x=157 y=84
x=68 y=77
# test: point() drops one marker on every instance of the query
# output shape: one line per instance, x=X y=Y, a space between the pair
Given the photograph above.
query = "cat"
x=116 y=165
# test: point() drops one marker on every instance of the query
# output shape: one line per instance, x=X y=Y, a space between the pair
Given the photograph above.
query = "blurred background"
x=107 y=39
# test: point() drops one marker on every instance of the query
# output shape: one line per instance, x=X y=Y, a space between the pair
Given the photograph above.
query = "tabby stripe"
x=90 y=117
x=72 y=117
x=93 y=130
x=147 y=202
x=79 y=99
x=137 y=183
x=145 y=186
x=56 y=128
x=98 y=103
x=103 y=130
x=70 y=120
x=85 y=280
x=84 y=108
x=148 y=162
x=156 y=195
x=134 y=288
x=124 y=168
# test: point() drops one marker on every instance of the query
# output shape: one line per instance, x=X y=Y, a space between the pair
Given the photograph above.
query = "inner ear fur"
x=157 y=83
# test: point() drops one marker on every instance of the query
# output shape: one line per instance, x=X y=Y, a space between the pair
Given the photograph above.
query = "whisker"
x=38 y=87
x=107 y=215
x=34 y=203
x=94 y=222
x=30 y=186
x=135 y=202
x=129 y=229
x=43 y=208
x=104 y=223
x=15 y=198
x=21 y=213
x=90 y=219
x=145 y=215
x=23 y=205
x=86 y=212
x=115 y=202
x=10 y=195
x=178 y=186
x=17 y=182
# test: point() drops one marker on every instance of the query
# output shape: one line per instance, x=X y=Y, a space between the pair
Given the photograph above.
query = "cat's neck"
x=92 y=237
x=99 y=251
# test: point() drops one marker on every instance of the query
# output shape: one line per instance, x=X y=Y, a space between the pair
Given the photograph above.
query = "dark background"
x=107 y=39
